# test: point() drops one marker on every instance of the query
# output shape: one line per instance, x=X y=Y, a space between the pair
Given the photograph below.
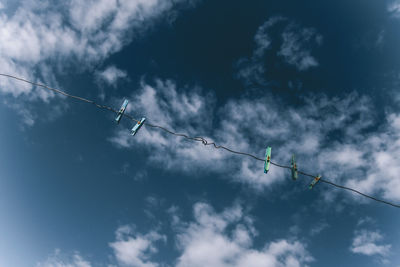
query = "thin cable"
x=63 y=93
x=203 y=140
x=197 y=138
x=358 y=192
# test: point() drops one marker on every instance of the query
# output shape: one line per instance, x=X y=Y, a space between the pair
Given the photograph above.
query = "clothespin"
x=267 y=159
x=137 y=126
x=295 y=174
x=315 y=181
x=121 y=110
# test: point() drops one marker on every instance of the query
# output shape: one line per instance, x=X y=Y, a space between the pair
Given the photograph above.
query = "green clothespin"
x=295 y=174
x=267 y=159
x=315 y=181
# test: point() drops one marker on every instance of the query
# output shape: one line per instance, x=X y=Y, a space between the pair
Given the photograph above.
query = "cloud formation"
x=394 y=8
x=39 y=33
x=208 y=242
x=111 y=75
x=58 y=259
x=211 y=239
x=367 y=243
x=132 y=249
x=332 y=136
x=295 y=46
x=41 y=39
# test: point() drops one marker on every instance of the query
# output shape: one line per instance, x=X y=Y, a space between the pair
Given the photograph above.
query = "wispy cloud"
x=111 y=75
x=262 y=38
x=252 y=70
x=365 y=220
x=226 y=239
x=27 y=117
x=318 y=228
x=367 y=243
x=332 y=136
x=59 y=259
x=394 y=8
x=43 y=38
x=296 y=44
x=133 y=249
x=209 y=239
x=184 y=112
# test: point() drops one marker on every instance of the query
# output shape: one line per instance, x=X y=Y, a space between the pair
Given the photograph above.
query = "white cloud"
x=28 y=118
x=57 y=259
x=295 y=49
x=383 y=149
x=366 y=242
x=252 y=69
x=43 y=38
x=190 y=113
x=262 y=37
x=394 y=8
x=183 y=112
x=208 y=242
x=111 y=75
x=211 y=239
x=36 y=33
x=132 y=249
x=318 y=228
x=88 y=16
x=365 y=220
x=331 y=136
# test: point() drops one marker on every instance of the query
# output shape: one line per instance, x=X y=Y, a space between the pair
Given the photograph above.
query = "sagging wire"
x=197 y=138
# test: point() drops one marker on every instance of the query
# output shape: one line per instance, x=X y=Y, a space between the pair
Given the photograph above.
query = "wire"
x=358 y=192
x=197 y=138
x=204 y=141
x=61 y=92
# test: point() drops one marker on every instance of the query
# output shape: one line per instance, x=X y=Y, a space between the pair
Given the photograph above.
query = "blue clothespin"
x=121 y=110
x=267 y=159
x=315 y=181
x=137 y=126
x=295 y=174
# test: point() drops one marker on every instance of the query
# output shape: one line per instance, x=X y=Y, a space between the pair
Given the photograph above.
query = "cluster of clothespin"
x=121 y=111
x=294 y=170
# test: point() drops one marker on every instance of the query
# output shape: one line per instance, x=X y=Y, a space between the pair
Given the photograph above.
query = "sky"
x=318 y=79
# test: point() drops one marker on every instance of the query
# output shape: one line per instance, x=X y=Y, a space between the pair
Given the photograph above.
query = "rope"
x=62 y=93
x=197 y=138
x=358 y=192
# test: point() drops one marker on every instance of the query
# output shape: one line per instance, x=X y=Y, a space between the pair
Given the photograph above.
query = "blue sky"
x=316 y=79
